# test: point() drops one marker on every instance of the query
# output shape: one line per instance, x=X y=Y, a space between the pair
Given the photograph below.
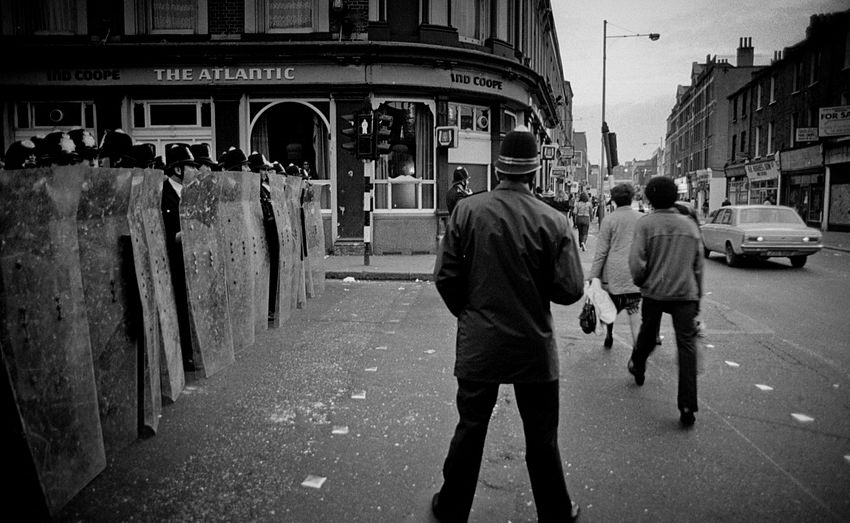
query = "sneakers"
x=638 y=374
x=687 y=418
x=608 y=343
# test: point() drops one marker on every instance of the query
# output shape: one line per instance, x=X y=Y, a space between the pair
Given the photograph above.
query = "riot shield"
x=261 y=262
x=112 y=302
x=148 y=235
x=314 y=234
x=45 y=334
x=206 y=276
x=293 y=203
x=237 y=227
x=283 y=229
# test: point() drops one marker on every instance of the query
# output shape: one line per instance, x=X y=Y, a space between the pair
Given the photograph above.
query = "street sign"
x=806 y=134
x=559 y=172
x=447 y=136
x=567 y=151
x=549 y=152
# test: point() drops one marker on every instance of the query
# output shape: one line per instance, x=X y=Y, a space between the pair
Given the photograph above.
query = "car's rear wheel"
x=798 y=261
x=732 y=259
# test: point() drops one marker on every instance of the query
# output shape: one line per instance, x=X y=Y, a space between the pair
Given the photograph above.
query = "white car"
x=759 y=231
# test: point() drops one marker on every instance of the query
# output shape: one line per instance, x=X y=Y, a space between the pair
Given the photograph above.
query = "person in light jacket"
x=611 y=259
x=504 y=258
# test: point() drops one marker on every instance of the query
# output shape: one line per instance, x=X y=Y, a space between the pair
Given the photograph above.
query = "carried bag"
x=587 y=318
x=606 y=311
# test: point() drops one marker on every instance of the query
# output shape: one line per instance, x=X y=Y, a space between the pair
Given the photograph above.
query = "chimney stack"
x=746 y=54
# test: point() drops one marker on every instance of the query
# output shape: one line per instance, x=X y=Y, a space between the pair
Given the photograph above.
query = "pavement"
x=421 y=266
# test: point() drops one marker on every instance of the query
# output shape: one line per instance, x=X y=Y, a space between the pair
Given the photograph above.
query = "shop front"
x=763 y=180
x=803 y=183
x=737 y=184
x=837 y=160
x=293 y=113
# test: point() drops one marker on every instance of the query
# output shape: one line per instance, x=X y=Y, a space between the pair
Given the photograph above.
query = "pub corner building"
x=284 y=79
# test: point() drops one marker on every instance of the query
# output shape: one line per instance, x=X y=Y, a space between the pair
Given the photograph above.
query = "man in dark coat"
x=459 y=189
x=180 y=169
x=505 y=256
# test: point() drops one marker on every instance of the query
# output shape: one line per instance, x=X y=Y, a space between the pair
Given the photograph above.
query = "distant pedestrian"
x=611 y=260
x=583 y=210
x=704 y=208
x=459 y=188
x=505 y=256
x=666 y=262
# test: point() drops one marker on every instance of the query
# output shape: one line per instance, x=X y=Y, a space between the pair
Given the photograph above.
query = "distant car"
x=759 y=231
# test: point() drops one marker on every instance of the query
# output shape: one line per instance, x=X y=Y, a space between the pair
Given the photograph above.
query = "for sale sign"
x=834 y=121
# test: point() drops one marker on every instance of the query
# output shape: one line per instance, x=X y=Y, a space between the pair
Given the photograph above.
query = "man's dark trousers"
x=538 y=408
x=684 y=315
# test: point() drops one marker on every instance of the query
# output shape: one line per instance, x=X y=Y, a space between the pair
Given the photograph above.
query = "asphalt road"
x=355 y=396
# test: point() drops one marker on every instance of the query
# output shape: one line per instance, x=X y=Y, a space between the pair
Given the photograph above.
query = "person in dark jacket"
x=504 y=258
x=666 y=262
x=180 y=169
x=459 y=189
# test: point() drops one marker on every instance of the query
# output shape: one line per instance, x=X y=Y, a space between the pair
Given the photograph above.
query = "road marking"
x=371 y=369
x=709 y=346
x=802 y=418
x=339 y=429
x=313 y=481
x=764 y=387
x=430 y=351
x=382 y=347
x=732 y=363
x=359 y=395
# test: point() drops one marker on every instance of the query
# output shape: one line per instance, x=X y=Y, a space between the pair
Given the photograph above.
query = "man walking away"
x=666 y=263
x=505 y=256
x=611 y=259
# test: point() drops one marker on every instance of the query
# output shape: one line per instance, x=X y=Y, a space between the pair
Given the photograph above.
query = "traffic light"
x=348 y=132
x=383 y=132
x=612 y=150
x=365 y=143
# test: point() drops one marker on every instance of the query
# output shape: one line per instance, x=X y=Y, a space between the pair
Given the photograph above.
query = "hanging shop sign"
x=806 y=134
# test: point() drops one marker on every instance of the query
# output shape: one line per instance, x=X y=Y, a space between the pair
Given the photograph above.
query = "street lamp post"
x=605 y=37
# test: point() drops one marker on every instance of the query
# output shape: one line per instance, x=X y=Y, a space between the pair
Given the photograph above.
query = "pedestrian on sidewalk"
x=459 y=188
x=505 y=256
x=611 y=260
x=666 y=262
x=583 y=211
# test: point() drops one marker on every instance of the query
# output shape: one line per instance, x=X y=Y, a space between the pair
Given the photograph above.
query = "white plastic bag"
x=606 y=311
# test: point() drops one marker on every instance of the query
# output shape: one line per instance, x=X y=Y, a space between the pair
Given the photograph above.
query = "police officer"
x=180 y=169
x=459 y=188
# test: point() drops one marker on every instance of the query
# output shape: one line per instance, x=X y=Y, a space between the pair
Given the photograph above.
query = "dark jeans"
x=538 y=408
x=684 y=315
x=583 y=224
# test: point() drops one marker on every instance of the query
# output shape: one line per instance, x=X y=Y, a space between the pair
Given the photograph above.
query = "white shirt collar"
x=178 y=187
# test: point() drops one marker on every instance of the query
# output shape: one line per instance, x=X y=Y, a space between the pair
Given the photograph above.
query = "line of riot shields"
x=90 y=340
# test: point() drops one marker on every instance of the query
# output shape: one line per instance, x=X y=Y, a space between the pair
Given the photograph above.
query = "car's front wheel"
x=732 y=259
x=798 y=261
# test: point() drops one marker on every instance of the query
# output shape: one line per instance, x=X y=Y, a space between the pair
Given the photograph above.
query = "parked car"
x=759 y=231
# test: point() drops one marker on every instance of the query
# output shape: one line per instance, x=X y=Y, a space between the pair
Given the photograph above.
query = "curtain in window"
x=465 y=17
x=51 y=16
x=424 y=142
x=290 y=14
x=260 y=137
x=320 y=169
x=173 y=14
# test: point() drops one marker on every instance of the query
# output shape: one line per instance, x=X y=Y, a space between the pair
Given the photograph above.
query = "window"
x=772 y=89
x=798 y=76
x=288 y=16
x=744 y=104
x=505 y=20
x=165 y=17
x=758 y=96
x=793 y=133
x=172 y=114
x=508 y=122
x=734 y=146
x=756 y=142
x=41 y=116
x=472 y=118
x=814 y=67
x=438 y=12
x=377 y=10
x=735 y=109
x=743 y=141
x=470 y=19
x=847 y=51
x=45 y=17
x=769 y=138
x=404 y=178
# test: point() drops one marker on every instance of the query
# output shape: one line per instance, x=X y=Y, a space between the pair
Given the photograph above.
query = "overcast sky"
x=642 y=75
